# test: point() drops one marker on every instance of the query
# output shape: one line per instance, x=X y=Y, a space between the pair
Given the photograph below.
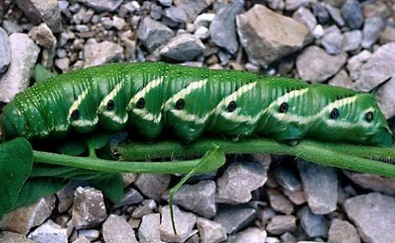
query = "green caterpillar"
x=152 y=97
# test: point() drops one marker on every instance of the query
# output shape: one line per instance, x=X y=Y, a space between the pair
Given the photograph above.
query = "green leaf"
x=36 y=188
x=16 y=161
x=41 y=73
x=111 y=186
x=73 y=147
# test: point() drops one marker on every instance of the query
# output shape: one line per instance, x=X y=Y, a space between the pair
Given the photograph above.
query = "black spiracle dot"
x=75 y=114
x=231 y=106
x=110 y=105
x=369 y=116
x=335 y=113
x=284 y=107
x=140 y=103
x=180 y=104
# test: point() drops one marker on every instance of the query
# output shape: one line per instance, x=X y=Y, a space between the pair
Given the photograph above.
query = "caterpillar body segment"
x=151 y=97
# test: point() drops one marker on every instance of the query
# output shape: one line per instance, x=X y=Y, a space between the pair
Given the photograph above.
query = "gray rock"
x=315 y=65
x=192 y=8
x=352 y=14
x=352 y=40
x=153 y=33
x=288 y=237
x=291 y=5
x=81 y=240
x=43 y=36
x=235 y=218
x=49 y=232
x=282 y=223
x=11 y=27
x=342 y=79
x=372 y=182
x=11 y=237
x=354 y=64
x=198 y=198
x=147 y=207
x=279 y=202
x=387 y=35
x=63 y=64
x=176 y=14
x=23 y=219
x=210 y=231
x=89 y=234
x=306 y=17
x=251 y=234
x=342 y=232
x=166 y=3
x=312 y=224
x=129 y=197
x=103 y=5
x=335 y=14
x=116 y=229
x=297 y=198
x=101 y=53
x=114 y=22
x=24 y=54
x=276 y=4
x=371 y=31
x=374 y=216
x=156 y=12
x=379 y=67
x=321 y=12
x=47 y=11
x=204 y=20
x=184 y=223
x=320 y=186
x=66 y=196
x=265 y=45
x=152 y=186
x=333 y=41
x=223 y=27
x=149 y=228
x=202 y=33
x=88 y=209
x=237 y=182
x=185 y=47
x=287 y=178
x=5 y=51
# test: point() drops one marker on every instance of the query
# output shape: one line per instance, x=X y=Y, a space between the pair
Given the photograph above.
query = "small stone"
x=335 y=14
x=306 y=17
x=371 y=31
x=204 y=20
x=89 y=234
x=276 y=4
x=342 y=79
x=153 y=33
x=342 y=231
x=24 y=54
x=183 y=47
x=282 y=223
x=147 y=207
x=279 y=202
x=11 y=27
x=192 y=8
x=237 y=182
x=202 y=33
x=352 y=14
x=103 y=5
x=5 y=51
x=116 y=229
x=210 y=231
x=81 y=240
x=333 y=41
x=318 y=31
x=312 y=224
x=49 y=232
x=291 y=5
x=265 y=45
x=251 y=234
x=103 y=52
x=235 y=218
x=152 y=186
x=352 y=40
x=149 y=228
x=223 y=27
x=184 y=223
x=314 y=178
x=297 y=198
x=354 y=64
x=198 y=198
x=114 y=22
x=43 y=36
x=47 y=11
x=287 y=178
x=11 y=237
x=88 y=208
x=66 y=196
x=321 y=12
x=373 y=182
x=166 y=3
x=63 y=64
x=23 y=219
x=387 y=35
x=130 y=196
x=176 y=14
x=315 y=65
x=374 y=216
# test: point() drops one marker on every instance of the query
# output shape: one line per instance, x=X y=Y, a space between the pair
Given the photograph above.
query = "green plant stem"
x=337 y=155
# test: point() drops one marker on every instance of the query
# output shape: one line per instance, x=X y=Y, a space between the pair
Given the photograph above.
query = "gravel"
x=347 y=43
